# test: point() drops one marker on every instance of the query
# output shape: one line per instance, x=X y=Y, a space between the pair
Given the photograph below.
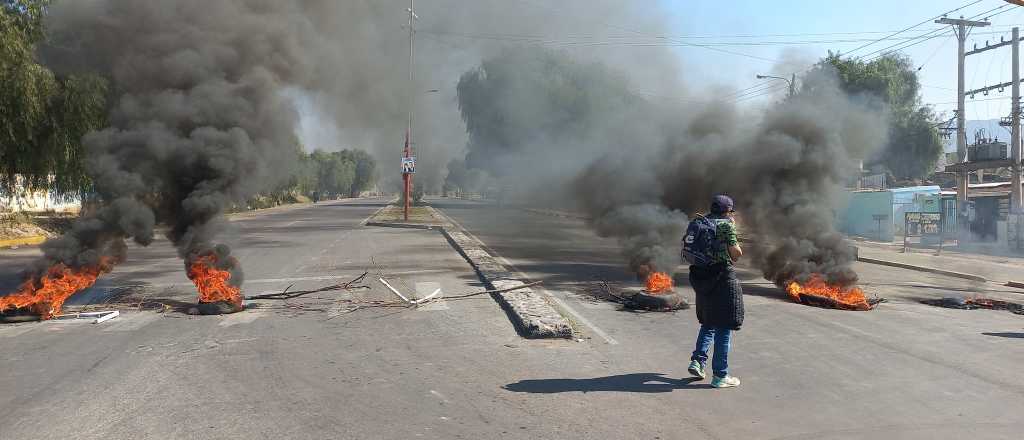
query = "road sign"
x=409 y=165
x=927 y=225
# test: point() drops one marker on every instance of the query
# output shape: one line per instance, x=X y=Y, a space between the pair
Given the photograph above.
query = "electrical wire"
x=715 y=49
x=914 y=26
x=918 y=40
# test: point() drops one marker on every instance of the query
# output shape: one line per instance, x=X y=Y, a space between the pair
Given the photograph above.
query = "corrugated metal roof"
x=917 y=189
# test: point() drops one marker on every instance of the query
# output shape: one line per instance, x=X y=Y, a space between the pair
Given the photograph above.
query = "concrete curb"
x=950 y=273
x=531 y=314
x=551 y=213
x=256 y=212
x=407 y=226
x=24 y=241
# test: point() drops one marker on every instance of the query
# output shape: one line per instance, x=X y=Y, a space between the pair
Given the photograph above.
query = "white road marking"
x=562 y=304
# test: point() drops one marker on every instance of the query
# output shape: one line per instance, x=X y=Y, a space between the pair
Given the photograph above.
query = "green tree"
x=891 y=83
x=365 y=170
x=43 y=116
x=335 y=172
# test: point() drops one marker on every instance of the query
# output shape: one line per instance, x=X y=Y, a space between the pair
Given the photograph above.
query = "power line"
x=776 y=87
x=726 y=51
x=609 y=40
x=913 y=26
x=928 y=34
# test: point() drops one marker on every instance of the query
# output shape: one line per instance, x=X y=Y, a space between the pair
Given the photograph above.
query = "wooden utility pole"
x=961 y=28
x=407 y=176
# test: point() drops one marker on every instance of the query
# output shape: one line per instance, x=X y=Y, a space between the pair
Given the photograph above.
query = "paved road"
x=904 y=370
x=276 y=372
x=457 y=369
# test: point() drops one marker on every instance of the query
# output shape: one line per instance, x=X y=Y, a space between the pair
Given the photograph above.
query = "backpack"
x=700 y=244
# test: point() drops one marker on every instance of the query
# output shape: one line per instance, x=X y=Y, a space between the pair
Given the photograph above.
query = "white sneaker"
x=696 y=369
x=725 y=382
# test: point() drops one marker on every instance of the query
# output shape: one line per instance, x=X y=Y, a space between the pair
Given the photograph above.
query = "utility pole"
x=407 y=176
x=961 y=28
x=1015 y=145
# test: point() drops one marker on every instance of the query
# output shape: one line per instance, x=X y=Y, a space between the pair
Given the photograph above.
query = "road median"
x=950 y=273
x=529 y=312
x=22 y=241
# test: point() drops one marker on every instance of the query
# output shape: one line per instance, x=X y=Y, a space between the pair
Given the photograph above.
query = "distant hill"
x=991 y=127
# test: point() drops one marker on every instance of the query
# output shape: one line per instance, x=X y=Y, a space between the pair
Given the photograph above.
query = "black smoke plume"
x=634 y=165
x=198 y=117
x=786 y=174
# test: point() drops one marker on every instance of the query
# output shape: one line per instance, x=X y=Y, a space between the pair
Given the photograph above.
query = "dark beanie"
x=721 y=204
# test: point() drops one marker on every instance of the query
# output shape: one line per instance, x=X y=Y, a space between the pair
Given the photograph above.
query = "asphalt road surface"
x=904 y=370
x=310 y=368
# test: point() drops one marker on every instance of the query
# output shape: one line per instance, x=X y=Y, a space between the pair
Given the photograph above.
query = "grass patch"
x=417 y=214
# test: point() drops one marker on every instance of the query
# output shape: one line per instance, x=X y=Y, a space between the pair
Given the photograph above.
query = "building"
x=879 y=214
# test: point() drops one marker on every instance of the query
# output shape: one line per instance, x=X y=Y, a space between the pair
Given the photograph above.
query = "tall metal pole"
x=1015 y=145
x=961 y=117
x=962 y=178
x=407 y=177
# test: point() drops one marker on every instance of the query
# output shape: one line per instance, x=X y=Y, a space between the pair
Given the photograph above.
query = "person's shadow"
x=629 y=383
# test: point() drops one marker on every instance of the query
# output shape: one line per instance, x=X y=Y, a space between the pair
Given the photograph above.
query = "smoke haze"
x=636 y=166
x=207 y=94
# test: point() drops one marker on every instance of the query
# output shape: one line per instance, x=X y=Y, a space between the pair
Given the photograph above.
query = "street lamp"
x=791 y=82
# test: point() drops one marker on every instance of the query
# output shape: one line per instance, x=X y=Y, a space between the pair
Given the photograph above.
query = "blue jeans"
x=722 y=338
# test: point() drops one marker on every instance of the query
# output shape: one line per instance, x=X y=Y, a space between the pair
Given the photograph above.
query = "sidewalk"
x=998 y=269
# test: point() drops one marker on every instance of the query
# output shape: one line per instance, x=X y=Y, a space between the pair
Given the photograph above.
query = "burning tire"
x=218 y=308
x=18 y=315
x=659 y=301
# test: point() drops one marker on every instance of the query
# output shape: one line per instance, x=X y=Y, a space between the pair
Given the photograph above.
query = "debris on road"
x=975 y=303
x=640 y=298
x=295 y=294
x=395 y=291
x=19 y=314
x=485 y=292
x=96 y=317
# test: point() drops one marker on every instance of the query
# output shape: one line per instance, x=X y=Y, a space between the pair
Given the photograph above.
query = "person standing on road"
x=719 y=297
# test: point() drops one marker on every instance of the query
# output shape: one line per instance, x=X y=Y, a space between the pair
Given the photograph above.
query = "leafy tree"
x=43 y=116
x=365 y=170
x=335 y=173
x=891 y=83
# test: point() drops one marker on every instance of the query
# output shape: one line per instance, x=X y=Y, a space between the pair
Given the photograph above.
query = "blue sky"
x=721 y=22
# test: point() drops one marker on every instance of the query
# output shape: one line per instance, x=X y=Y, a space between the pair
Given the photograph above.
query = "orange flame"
x=45 y=295
x=851 y=298
x=658 y=282
x=211 y=282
